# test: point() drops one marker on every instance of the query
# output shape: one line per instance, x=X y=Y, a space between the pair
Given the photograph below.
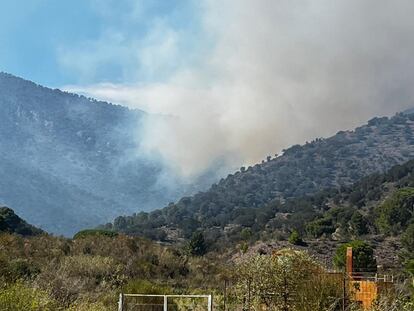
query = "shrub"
x=320 y=226
x=393 y=302
x=244 y=247
x=358 y=224
x=22 y=269
x=94 y=232
x=408 y=239
x=197 y=245
x=19 y=297
x=292 y=277
x=396 y=212
x=409 y=267
x=76 y=275
x=246 y=234
x=363 y=256
x=295 y=238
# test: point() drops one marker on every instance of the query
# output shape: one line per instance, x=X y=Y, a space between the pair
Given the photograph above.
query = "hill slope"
x=68 y=162
x=301 y=170
x=11 y=223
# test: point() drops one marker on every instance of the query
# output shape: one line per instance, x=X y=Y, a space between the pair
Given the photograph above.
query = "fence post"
x=121 y=302
x=210 y=304
x=248 y=295
x=344 y=292
x=165 y=303
x=225 y=295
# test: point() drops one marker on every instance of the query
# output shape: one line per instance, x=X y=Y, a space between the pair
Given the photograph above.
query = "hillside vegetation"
x=378 y=207
x=87 y=273
x=276 y=196
x=11 y=223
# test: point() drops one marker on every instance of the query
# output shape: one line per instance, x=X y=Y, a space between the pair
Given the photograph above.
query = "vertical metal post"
x=344 y=293
x=210 y=303
x=285 y=295
x=165 y=303
x=248 y=295
x=225 y=295
x=121 y=302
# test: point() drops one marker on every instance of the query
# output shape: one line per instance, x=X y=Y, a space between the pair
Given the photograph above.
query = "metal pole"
x=121 y=302
x=248 y=296
x=225 y=294
x=344 y=293
x=165 y=303
x=285 y=294
x=210 y=305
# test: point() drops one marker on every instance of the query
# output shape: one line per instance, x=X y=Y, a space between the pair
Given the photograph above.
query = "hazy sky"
x=90 y=41
x=236 y=79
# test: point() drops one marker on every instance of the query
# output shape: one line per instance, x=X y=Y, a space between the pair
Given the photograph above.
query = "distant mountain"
x=68 y=162
x=242 y=200
x=11 y=223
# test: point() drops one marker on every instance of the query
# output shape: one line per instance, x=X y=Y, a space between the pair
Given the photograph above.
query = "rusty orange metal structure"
x=363 y=288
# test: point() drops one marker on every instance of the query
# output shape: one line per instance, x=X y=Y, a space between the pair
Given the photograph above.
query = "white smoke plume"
x=279 y=72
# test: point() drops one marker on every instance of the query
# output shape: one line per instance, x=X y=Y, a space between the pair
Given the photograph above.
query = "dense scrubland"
x=42 y=272
x=295 y=185
x=379 y=208
x=87 y=273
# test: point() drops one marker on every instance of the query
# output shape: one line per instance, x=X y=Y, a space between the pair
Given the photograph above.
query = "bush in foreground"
x=288 y=280
x=19 y=297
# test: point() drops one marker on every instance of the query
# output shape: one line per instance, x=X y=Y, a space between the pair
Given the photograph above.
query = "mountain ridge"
x=12 y=223
x=65 y=154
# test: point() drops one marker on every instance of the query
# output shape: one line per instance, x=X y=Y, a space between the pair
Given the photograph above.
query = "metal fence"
x=340 y=289
x=145 y=302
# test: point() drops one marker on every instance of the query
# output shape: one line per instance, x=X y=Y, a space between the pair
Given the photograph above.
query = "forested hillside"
x=263 y=196
x=69 y=162
x=11 y=223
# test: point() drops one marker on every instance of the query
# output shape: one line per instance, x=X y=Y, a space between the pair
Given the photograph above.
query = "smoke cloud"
x=276 y=73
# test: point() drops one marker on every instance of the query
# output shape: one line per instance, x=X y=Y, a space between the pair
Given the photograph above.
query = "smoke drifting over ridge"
x=278 y=73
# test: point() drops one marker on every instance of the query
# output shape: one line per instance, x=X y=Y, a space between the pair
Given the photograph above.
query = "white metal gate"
x=121 y=302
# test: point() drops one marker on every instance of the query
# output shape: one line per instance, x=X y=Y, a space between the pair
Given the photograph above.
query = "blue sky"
x=65 y=42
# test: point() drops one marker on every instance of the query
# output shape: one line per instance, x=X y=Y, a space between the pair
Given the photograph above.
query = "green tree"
x=244 y=247
x=396 y=212
x=363 y=256
x=320 y=226
x=246 y=234
x=409 y=267
x=408 y=239
x=295 y=238
x=197 y=246
x=358 y=224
